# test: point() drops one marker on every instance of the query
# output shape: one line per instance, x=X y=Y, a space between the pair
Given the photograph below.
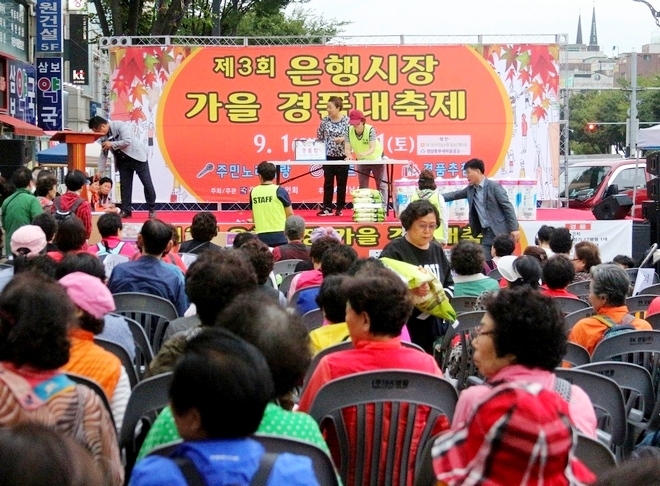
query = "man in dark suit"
x=130 y=158
x=491 y=213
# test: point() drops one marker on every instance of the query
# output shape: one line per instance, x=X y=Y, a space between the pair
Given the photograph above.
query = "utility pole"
x=633 y=121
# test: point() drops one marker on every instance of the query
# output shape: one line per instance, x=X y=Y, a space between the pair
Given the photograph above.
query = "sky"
x=623 y=23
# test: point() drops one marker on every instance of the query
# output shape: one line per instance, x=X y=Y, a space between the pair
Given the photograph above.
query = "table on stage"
x=389 y=168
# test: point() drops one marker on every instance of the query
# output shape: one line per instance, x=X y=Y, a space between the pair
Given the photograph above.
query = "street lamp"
x=654 y=12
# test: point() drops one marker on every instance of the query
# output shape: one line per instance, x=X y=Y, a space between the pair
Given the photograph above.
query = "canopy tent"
x=649 y=138
x=59 y=153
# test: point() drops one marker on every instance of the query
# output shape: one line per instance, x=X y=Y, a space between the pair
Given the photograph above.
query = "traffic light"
x=590 y=127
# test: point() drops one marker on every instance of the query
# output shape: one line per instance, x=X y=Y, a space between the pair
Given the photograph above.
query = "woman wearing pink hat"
x=93 y=300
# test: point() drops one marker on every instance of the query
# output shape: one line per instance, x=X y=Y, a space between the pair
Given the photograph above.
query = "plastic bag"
x=435 y=302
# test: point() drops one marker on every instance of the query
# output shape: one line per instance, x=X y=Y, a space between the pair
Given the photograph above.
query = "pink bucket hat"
x=28 y=240
x=88 y=293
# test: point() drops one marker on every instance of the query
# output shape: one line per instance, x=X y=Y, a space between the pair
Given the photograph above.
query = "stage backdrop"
x=209 y=115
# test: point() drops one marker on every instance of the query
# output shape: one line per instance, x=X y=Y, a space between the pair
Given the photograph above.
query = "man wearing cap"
x=491 y=212
x=271 y=206
x=21 y=207
x=363 y=145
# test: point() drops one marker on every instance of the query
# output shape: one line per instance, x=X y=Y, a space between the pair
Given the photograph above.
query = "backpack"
x=194 y=476
x=104 y=250
x=61 y=215
x=615 y=329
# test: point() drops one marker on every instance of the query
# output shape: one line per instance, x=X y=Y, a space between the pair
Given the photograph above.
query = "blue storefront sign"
x=49 y=26
x=22 y=91
x=49 y=93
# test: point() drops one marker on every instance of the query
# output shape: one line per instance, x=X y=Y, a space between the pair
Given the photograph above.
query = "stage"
x=368 y=239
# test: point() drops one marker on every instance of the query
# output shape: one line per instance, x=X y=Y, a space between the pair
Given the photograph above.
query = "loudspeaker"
x=653 y=164
x=613 y=207
x=653 y=189
x=651 y=213
x=13 y=154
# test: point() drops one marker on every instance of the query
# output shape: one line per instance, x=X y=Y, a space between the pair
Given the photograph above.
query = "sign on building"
x=49 y=92
x=22 y=91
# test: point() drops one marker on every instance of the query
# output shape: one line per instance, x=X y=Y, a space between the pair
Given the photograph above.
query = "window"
x=626 y=179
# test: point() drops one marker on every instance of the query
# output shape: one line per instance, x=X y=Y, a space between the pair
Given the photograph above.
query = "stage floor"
x=368 y=239
x=231 y=217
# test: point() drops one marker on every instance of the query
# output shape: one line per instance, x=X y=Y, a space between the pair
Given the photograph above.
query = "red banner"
x=211 y=114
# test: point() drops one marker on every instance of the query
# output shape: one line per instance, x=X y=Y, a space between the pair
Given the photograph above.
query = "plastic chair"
x=652 y=290
x=569 y=305
x=632 y=273
x=654 y=320
x=141 y=343
x=96 y=388
x=576 y=355
x=594 y=454
x=324 y=468
x=580 y=289
x=463 y=304
x=638 y=347
x=123 y=356
x=495 y=274
x=188 y=258
x=637 y=386
x=150 y=395
x=286 y=283
x=153 y=313
x=639 y=303
x=463 y=328
x=395 y=397
x=343 y=346
x=293 y=301
x=573 y=318
x=606 y=397
x=313 y=319
x=286 y=267
x=424 y=474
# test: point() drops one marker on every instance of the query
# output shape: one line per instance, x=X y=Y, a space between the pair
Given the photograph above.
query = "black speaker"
x=613 y=207
x=653 y=189
x=13 y=154
x=651 y=213
x=653 y=164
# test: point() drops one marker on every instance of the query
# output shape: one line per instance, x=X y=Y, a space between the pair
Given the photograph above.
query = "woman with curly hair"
x=467 y=261
x=34 y=319
x=523 y=338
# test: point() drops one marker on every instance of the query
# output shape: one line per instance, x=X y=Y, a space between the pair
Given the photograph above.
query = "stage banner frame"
x=210 y=114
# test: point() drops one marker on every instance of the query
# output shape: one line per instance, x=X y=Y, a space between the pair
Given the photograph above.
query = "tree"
x=597 y=108
x=193 y=17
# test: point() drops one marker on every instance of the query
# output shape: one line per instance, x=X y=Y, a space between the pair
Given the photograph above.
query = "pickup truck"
x=589 y=182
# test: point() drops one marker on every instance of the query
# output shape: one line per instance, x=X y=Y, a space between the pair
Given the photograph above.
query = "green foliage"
x=301 y=22
x=611 y=106
x=197 y=17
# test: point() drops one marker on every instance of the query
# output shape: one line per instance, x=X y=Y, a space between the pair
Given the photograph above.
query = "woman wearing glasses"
x=522 y=338
x=419 y=247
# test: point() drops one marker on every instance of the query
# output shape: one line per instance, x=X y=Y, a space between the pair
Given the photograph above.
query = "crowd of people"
x=240 y=352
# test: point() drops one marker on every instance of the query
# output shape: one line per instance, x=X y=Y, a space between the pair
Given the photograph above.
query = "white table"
x=389 y=168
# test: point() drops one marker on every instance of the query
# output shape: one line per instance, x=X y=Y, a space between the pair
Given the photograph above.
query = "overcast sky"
x=623 y=23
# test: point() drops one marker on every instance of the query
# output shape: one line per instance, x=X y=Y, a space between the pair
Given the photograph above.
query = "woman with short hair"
x=522 y=338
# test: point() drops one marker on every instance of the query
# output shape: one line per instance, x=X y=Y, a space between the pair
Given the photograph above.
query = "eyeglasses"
x=481 y=332
x=426 y=226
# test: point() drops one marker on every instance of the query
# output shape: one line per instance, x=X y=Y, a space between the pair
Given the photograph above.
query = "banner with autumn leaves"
x=209 y=115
